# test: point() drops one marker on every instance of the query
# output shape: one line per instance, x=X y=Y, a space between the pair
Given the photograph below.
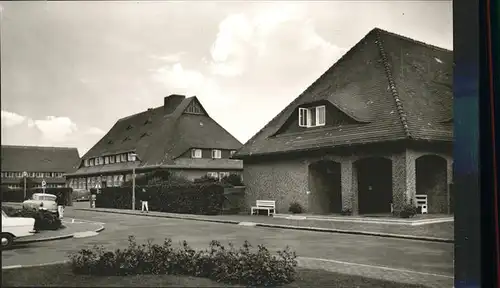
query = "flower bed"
x=243 y=266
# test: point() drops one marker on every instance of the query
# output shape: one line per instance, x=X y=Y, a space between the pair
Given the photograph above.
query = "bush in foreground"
x=233 y=266
x=44 y=220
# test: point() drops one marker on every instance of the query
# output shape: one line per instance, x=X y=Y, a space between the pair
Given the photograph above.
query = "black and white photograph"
x=227 y=144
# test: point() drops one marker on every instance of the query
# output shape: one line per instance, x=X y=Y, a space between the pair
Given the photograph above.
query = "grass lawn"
x=61 y=275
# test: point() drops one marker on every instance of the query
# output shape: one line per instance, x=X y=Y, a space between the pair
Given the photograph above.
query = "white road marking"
x=249 y=224
x=378 y=267
x=80 y=221
x=11 y=267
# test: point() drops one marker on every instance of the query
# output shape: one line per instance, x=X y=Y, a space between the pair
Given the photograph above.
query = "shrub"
x=234 y=266
x=408 y=211
x=44 y=220
x=191 y=198
x=295 y=208
x=346 y=212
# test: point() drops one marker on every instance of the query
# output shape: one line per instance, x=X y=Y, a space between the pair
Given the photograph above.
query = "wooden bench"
x=268 y=205
x=422 y=202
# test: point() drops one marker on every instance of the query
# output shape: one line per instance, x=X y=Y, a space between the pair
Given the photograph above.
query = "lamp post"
x=25 y=174
x=133 y=157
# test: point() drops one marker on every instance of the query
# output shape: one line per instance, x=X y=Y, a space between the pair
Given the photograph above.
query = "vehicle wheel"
x=7 y=240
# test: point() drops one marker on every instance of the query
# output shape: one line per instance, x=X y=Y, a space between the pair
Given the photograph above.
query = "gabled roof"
x=394 y=87
x=39 y=159
x=159 y=135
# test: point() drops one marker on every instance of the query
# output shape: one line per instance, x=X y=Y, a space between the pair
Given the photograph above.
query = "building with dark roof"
x=370 y=135
x=179 y=136
x=39 y=163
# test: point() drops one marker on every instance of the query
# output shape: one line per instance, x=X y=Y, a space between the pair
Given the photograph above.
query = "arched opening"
x=374 y=185
x=431 y=180
x=325 y=187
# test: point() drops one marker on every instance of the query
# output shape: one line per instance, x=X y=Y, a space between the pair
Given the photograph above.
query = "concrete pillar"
x=403 y=179
x=349 y=183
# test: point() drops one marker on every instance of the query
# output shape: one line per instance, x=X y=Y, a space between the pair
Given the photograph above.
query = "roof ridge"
x=43 y=147
x=392 y=84
x=148 y=110
x=378 y=30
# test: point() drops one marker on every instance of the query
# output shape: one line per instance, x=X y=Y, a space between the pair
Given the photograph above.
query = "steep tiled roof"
x=39 y=159
x=394 y=87
x=159 y=135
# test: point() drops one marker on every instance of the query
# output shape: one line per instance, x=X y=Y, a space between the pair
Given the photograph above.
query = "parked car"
x=42 y=201
x=15 y=227
x=81 y=195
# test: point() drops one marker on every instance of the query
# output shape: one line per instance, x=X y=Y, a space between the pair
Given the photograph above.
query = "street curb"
x=290 y=227
x=61 y=237
x=34 y=265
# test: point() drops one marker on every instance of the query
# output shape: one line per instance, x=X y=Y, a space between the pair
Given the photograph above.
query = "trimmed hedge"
x=44 y=220
x=189 y=198
x=243 y=266
x=17 y=195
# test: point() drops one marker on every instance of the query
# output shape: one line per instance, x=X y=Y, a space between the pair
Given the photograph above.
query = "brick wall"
x=282 y=181
x=287 y=181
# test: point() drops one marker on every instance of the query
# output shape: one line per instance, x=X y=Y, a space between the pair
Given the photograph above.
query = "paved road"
x=393 y=259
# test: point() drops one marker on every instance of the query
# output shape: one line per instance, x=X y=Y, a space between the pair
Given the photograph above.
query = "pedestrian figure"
x=144 y=200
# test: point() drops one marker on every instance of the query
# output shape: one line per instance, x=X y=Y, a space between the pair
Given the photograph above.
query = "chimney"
x=171 y=102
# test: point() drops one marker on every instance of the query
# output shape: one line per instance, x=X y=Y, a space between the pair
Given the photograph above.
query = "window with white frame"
x=130 y=157
x=106 y=159
x=312 y=117
x=223 y=175
x=195 y=153
x=101 y=160
x=216 y=154
x=112 y=159
x=91 y=162
x=118 y=158
x=96 y=161
x=86 y=162
x=123 y=157
x=213 y=175
x=39 y=174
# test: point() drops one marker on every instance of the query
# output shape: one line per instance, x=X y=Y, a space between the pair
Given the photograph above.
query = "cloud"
x=50 y=131
x=56 y=129
x=10 y=119
x=190 y=83
x=267 y=35
x=171 y=58
x=94 y=131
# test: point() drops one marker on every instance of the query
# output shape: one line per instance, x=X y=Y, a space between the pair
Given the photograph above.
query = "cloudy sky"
x=71 y=69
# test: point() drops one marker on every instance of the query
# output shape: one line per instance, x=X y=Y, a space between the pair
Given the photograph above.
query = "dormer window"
x=312 y=117
x=216 y=154
x=196 y=153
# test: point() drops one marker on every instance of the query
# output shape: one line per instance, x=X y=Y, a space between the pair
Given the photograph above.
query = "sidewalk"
x=439 y=232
